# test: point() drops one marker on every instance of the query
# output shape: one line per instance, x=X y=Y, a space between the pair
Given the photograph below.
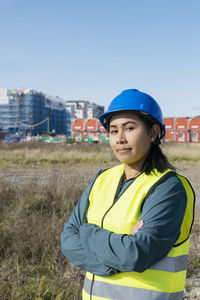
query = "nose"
x=121 y=138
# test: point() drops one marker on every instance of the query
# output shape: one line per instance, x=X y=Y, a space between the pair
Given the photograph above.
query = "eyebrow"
x=124 y=124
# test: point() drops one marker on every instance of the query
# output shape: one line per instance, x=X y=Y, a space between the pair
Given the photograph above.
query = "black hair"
x=156 y=159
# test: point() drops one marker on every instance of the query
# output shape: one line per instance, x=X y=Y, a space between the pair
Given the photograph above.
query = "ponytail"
x=156 y=160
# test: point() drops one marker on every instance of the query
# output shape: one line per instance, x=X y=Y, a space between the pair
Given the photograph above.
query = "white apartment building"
x=81 y=109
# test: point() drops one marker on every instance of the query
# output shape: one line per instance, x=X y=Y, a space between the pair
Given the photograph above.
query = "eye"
x=130 y=128
x=113 y=131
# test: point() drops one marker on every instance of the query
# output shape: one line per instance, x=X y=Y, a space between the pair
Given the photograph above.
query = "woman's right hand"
x=137 y=227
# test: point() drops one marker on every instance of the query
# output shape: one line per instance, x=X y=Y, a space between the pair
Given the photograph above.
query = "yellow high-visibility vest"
x=164 y=280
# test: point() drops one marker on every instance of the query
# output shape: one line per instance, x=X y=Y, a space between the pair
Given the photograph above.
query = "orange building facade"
x=180 y=130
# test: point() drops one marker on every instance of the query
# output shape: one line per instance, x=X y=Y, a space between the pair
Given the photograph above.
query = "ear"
x=155 y=132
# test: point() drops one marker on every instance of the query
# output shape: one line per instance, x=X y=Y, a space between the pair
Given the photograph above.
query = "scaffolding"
x=24 y=111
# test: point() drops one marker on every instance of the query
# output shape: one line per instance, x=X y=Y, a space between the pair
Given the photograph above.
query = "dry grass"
x=194 y=257
x=182 y=152
x=33 y=212
x=39 y=152
x=32 y=218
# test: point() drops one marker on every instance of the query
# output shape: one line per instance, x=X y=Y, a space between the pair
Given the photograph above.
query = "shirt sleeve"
x=71 y=244
x=163 y=213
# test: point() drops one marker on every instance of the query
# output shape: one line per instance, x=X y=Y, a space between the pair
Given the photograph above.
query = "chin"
x=126 y=161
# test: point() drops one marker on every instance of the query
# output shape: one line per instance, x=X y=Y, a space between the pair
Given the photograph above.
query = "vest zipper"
x=91 y=286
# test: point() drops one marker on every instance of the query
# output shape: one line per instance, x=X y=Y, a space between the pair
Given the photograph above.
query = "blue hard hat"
x=134 y=100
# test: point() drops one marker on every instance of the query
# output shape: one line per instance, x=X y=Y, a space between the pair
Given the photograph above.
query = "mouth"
x=123 y=150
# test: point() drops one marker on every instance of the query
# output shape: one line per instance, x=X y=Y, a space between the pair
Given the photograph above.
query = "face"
x=129 y=139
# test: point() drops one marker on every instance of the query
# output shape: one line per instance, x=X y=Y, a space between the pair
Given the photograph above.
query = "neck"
x=131 y=172
x=134 y=169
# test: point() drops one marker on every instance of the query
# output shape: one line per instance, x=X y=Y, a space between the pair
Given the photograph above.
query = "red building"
x=194 y=127
x=180 y=130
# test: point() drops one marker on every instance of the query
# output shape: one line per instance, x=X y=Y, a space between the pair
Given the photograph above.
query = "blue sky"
x=94 y=49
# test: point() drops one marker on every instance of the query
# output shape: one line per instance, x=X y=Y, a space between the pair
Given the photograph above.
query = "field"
x=40 y=184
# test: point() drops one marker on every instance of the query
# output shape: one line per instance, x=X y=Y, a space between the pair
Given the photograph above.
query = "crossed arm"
x=105 y=253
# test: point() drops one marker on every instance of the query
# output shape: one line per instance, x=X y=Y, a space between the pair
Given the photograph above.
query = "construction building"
x=70 y=116
x=28 y=112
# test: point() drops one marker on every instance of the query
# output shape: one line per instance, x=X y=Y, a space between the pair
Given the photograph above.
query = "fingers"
x=137 y=227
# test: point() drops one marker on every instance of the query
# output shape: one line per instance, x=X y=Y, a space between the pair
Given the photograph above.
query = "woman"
x=130 y=230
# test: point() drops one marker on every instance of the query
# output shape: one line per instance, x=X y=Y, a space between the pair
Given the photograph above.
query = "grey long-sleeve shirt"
x=104 y=253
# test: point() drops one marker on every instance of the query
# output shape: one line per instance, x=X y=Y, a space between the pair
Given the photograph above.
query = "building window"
x=195 y=136
x=181 y=137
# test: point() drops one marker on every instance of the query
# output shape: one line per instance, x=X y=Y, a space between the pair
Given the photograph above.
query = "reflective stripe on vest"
x=165 y=279
x=109 y=291
x=171 y=264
